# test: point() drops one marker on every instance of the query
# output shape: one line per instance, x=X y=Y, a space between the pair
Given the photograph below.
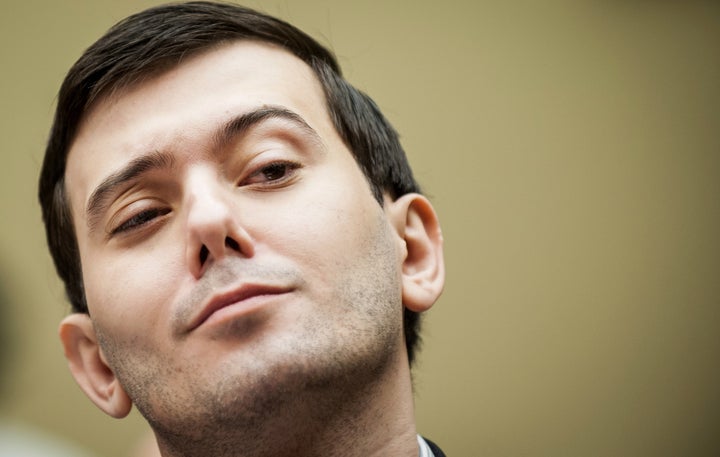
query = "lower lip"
x=243 y=308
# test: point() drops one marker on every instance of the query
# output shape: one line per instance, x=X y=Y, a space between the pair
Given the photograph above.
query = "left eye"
x=273 y=173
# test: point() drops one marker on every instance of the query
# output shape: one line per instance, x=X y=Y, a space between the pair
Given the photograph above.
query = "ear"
x=89 y=366
x=423 y=267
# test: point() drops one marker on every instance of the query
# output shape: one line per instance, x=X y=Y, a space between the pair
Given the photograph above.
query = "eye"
x=139 y=219
x=273 y=173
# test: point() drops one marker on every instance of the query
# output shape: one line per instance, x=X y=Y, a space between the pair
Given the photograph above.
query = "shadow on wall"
x=16 y=439
x=6 y=339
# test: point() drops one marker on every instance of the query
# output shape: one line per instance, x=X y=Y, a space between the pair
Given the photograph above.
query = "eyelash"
x=141 y=218
x=287 y=167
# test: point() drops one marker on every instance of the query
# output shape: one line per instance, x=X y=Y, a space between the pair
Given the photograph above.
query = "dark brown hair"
x=156 y=40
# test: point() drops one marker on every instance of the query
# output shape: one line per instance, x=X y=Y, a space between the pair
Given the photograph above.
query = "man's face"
x=231 y=247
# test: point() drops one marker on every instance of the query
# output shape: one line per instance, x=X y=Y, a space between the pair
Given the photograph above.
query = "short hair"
x=157 y=40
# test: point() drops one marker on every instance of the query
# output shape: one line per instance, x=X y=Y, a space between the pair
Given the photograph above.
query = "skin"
x=269 y=220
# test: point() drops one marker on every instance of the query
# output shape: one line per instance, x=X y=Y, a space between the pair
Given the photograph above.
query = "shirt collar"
x=425 y=450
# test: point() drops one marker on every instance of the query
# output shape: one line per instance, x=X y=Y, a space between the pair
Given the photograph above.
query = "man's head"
x=158 y=39
x=237 y=227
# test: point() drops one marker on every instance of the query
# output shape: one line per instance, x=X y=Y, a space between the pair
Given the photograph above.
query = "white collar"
x=425 y=450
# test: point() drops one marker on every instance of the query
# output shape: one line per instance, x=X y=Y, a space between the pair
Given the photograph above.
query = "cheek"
x=325 y=223
x=131 y=294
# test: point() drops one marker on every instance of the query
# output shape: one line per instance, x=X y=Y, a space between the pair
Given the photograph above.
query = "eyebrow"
x=99 y=199
x=157 y=160
x=239 y=125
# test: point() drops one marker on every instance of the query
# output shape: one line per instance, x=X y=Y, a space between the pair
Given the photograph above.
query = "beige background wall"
x=572 y=150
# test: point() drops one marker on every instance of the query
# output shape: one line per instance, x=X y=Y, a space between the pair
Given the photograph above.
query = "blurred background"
x=572 y=150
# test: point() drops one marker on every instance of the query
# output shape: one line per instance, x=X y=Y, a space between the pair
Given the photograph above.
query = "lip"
x=244 y=300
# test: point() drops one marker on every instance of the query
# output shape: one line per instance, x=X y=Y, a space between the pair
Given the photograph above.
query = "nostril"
x=203 y=254
x=232 y=244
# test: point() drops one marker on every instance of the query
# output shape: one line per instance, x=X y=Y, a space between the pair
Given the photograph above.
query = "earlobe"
x=89 y=366
x=423 y=266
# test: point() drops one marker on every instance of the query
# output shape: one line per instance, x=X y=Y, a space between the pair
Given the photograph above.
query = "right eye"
x=139 y=219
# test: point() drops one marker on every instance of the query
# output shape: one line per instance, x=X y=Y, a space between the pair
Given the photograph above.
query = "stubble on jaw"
x=294 y=388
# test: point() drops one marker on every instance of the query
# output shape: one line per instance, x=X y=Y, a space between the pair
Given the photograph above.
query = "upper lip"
x=228 y=297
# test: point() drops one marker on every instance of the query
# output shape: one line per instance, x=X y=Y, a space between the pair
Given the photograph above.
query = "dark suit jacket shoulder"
x=436 y=450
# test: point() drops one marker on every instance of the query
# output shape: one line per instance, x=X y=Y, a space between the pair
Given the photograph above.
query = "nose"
x=213 y=227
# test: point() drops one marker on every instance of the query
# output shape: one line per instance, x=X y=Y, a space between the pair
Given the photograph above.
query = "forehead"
x=179 y=107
